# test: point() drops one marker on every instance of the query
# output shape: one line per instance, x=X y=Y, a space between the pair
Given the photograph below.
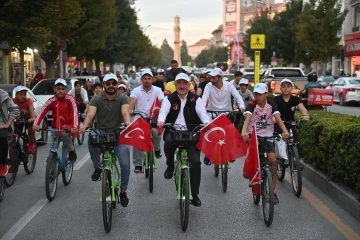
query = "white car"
x=346 y=89
x=10 y=89
x=247 y=70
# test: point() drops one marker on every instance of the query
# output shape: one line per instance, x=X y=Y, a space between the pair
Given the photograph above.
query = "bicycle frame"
x=181 y=163
x=111 y=163
x=62 y=163
x=146 y=159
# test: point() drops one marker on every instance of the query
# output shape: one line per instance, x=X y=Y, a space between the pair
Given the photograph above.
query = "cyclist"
x=160 y=74
x=80 y=95
x=8 y=113
x=259 y=113
x=183 y=108
x=26 y=107
x=142 y=99
x=65 y=114
x=134 y=80
x=217 y=95
x=237 y=77
x=202 y=84
x=111 y=109
x=122 y=88
x=171 y=87
x=97 y=88
x=312 y=83
x=244 y=92
x=89 y=87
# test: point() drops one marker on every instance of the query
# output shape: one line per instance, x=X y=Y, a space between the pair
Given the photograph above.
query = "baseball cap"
x=260 y=88
x=216 y=72
x=244 y=81
x=20 y=88
x=160 y=70
x=89 y=79
x=285 y=80
x=148 y=72
x=110 y=76
x=60 y=81
x=122 y=85
x=182 y=76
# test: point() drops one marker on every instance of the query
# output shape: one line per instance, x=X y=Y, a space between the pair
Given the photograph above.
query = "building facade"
x=195 y=49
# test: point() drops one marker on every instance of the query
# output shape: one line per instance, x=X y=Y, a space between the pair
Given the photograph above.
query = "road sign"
x=257 y=67
x=257 y=41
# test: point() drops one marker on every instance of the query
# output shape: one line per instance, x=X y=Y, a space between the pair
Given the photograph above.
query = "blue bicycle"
x=56 y=163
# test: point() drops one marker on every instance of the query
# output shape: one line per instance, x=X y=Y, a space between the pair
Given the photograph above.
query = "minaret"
x=177 y=56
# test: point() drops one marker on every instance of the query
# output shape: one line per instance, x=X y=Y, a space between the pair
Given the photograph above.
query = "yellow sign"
x=257 y=41
x=257 y=67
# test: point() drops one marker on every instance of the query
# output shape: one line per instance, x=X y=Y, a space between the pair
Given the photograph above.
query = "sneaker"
x=138 y=169
x=96 y=175
x=72 y=156
x=31 y=147
x=124 y=200
x=3 y=170
x=207 y=161
x=169 y=172
x=196 y=201
x=158 y=154
x=276 y=200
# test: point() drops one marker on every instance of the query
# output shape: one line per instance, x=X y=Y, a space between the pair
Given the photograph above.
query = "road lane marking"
x=11 y=234
x=80 y=163
x=327 y=213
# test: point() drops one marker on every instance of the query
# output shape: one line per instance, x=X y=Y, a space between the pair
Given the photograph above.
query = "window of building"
x=356 y=15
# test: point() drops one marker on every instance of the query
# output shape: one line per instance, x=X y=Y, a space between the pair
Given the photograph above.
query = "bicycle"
x=224 y=167
x=57 y=163
x=266 y=187
x=2 y=188
x=182 y=168
x=111 y=175
x=18 y=152
x=293 y=160
x=149 y=159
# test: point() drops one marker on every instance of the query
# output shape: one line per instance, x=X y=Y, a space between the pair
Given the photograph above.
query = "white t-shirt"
x=144 y=100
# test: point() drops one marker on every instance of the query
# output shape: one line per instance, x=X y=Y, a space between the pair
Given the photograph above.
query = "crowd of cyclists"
x=184 y=100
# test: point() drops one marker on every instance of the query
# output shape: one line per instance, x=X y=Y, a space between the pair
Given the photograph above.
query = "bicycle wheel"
x=295 y=171
x=67 y=175
x=184 y=201
x=106 y=199
x=267 y=197
x=51 y=176
x=216 y=169
x=224 y=176
x=14 y=165
x=151 y=171
x=280 y=169
x=30 y=161
x=146 y=161
x=2 y=189
x=80 y=139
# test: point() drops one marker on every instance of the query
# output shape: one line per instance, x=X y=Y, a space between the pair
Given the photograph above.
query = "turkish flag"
x=138 y=135
x=220 y=141
x=252 y=164
x=154 y=113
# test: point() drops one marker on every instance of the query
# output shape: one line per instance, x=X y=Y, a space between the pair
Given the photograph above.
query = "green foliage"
x=211 y=55
x=330 y=142
x=185 y=57
x=167 y=53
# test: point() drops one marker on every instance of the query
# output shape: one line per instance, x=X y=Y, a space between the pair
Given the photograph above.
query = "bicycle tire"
x=146 y=160
x=151 y=171
x=216 y=170
x=51 y=176
x=184 y=200
x=280 y=169
x=224 y=176
x=81 y=138
x=256 y=198
x=2 y=189
x=67 y=175
x=30 y=161
x=295 y=171
x=267 y=197
x=14 y=162
x=106 y=199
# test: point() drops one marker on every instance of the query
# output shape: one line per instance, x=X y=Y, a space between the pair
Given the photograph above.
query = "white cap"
x=20 y=88
x=89 y=79
x=160 y=70
x=244 y=81
x=148 y=72
x=287 y=80
x=260 y=88
x=216 y=72
x=122 y=85
x=110 y=76
x=60 y=81
x=182 y=76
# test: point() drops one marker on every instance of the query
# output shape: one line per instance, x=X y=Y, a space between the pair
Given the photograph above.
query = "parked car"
x=42 y=136
x=326 y=80
x=247 y=70
x=346 y=89
x=250 y=77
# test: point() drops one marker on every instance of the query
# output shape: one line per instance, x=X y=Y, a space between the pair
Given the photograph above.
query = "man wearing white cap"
x=65 y=115
x=111 y=109
x=186 y=109
x=142 y=98
x=259 y=113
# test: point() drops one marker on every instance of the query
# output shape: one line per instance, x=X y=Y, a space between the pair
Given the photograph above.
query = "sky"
x=198 y=18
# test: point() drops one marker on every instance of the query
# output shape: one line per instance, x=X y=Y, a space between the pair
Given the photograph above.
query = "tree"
x=167 y=53
x=211 y=55
x=185 y=57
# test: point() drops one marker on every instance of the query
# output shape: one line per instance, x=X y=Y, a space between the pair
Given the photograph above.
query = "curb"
x=341 y=195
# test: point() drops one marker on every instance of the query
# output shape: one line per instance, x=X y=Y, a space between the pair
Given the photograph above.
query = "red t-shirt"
x=25 y=106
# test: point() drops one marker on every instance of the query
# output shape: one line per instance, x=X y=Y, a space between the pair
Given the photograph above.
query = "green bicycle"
x=182 y=168
x=111 y=176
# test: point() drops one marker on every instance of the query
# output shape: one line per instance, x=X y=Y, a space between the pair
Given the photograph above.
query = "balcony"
x=355 y=29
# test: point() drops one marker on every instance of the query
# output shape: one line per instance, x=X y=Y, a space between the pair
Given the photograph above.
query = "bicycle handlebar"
x=151 y=120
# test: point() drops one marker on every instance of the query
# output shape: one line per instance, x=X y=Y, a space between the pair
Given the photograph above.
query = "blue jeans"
x=123 y=155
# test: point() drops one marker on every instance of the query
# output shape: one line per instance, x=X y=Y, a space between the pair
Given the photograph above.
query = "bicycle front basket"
x=184 y=137
x=98 y=139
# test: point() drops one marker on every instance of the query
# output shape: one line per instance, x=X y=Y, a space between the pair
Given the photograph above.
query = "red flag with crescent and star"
x=138 y=135
x=154 y=113
x=252 y=164
x=220 y=141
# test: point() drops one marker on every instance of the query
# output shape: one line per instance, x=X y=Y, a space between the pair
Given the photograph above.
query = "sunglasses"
x=108 y=83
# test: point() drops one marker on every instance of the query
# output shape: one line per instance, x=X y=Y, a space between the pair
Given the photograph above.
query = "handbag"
x=280 y=149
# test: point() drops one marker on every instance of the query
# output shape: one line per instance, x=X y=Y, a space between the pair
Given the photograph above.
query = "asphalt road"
x=76 y=213
x=350 y=110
